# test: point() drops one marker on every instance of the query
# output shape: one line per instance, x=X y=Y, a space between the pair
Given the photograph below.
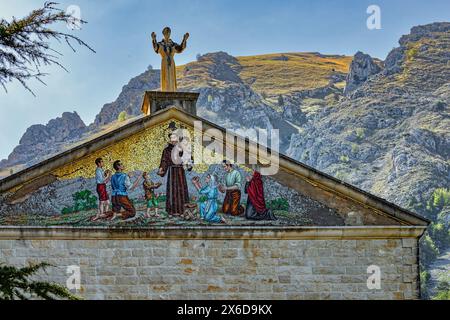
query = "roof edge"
x=212 y=232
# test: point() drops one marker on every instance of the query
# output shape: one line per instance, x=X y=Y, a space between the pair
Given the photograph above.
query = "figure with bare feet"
x=150 y=196
x=102 y=177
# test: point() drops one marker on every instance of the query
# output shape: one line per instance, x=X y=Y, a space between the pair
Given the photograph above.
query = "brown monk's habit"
x=176 y=187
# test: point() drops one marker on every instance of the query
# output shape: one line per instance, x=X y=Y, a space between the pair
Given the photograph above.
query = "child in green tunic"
x=150 y=196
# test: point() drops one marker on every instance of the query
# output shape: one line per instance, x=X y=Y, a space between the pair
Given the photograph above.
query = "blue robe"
x=208 y=209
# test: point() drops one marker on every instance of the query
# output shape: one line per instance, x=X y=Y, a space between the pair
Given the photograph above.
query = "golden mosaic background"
x=139 y=152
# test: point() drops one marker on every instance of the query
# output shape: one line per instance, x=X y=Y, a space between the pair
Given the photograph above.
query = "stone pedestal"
x=159 y=100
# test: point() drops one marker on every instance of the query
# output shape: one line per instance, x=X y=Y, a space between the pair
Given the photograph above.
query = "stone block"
x=409 y=243
x=5 y=244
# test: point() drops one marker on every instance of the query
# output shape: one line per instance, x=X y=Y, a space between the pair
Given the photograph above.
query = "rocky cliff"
x=391 y=134
x=40 y=141
x=361 y=68
x=242 y=93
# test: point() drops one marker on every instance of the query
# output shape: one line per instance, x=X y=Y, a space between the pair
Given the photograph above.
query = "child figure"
x=101 y=178
x=150 y=196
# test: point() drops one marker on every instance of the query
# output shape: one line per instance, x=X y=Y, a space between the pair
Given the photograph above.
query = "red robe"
x=255 y=193
x=256 y=205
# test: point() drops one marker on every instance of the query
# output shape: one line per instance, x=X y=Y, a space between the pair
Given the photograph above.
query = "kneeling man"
x=121 y=184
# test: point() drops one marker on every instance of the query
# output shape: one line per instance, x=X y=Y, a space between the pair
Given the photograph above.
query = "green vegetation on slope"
x=437 y=239
x=268 y=74
x=284 y=73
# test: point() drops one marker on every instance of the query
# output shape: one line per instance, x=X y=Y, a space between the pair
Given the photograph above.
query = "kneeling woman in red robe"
x=256 y=205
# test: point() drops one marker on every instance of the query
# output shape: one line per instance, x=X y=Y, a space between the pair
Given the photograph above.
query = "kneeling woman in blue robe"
x=208 y=208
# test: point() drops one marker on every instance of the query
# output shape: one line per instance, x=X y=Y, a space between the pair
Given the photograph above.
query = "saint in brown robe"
x=176 y=187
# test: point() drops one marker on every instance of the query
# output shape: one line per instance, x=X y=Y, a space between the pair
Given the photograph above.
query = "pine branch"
x=24 y=46
x=15 y=284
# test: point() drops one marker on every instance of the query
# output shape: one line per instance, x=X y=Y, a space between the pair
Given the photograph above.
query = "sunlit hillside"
x=269 y=74
x=284 y=73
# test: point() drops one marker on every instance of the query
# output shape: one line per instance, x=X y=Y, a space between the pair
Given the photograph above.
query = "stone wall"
x=227 y=269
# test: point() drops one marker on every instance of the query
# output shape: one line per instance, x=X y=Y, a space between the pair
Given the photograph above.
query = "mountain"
x=39 y=140
x=243 y=93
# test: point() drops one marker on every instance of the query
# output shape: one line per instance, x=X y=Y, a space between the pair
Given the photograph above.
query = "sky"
x=119 y=31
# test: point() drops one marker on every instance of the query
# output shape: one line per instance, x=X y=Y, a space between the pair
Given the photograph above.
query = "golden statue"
x=167 y=49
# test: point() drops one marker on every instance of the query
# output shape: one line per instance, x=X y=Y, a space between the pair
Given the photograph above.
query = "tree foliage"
x=16 y=284
x=24 y=46
x=439 y=199
x=122 y=116
x=437 y=238
x=443 y=290
x=280 y=100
